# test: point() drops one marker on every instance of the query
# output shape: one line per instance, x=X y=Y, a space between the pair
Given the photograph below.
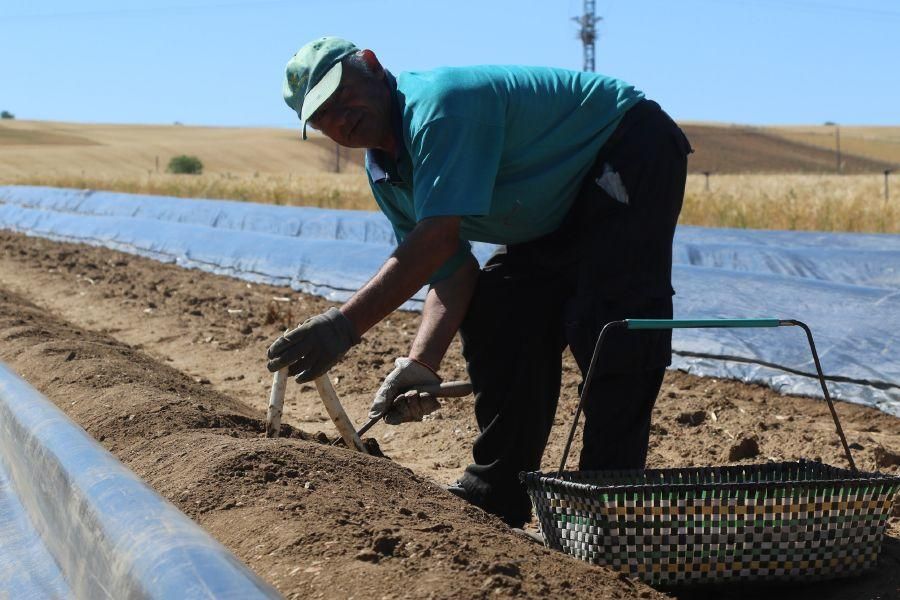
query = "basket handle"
x=703 y=323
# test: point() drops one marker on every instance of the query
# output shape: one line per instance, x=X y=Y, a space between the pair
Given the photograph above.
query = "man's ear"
x=372 y=61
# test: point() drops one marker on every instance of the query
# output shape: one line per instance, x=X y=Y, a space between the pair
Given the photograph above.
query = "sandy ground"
x=166 y=368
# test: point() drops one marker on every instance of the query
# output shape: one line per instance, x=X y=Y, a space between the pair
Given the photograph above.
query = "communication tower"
x=587 y=32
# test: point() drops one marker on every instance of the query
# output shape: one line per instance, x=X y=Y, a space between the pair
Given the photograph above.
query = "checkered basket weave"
x=766 y=522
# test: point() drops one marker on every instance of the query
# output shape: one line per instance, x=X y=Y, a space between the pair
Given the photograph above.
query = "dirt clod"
x=509 y=569
x=657 y=429
x=748 y=447
x=693 y=418
x=385 y=545
x=368 y=556
x=886 y=458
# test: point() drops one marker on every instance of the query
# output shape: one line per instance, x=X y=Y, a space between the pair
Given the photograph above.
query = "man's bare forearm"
x=445 y=308
x=424 y=250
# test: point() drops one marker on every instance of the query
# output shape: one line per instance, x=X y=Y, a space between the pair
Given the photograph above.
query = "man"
x=578 y=177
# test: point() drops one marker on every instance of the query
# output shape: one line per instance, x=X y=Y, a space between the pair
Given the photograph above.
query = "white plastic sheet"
x=26 y=565
x=845 y=286
x=76 y=523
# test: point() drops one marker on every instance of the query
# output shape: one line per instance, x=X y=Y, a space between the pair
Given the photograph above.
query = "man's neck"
x=391 y=143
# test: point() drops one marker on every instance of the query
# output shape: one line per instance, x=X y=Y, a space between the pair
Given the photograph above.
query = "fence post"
x=887 y=191
x=837 y=146
x=707 y=179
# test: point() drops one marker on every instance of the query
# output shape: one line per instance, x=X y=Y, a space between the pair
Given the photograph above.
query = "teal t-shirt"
x=503 y=147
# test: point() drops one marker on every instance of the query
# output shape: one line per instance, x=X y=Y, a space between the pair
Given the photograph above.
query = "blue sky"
x=220 y=62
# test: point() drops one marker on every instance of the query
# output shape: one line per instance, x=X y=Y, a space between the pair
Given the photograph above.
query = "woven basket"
x=779 y=521
x=764 y=522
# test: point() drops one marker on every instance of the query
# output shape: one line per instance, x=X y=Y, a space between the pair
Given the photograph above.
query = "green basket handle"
x=698 y=323
x=645 y=324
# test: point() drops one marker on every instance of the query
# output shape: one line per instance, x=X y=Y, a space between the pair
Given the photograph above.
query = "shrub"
x=185 y=163
x=7 y=115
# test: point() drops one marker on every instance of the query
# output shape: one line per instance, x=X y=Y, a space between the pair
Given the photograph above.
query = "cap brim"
x=319 y=93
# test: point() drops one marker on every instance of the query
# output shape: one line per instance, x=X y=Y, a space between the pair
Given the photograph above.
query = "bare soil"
x=741 y=149
x=166 y=368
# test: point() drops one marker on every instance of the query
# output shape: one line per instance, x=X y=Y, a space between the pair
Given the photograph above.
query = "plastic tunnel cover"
x=90 y=528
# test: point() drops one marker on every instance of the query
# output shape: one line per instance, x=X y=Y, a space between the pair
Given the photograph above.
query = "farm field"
x=263 y=165
x=46 y=148
x=875 y=143
x=758 y=178
x=165 y=367
x=35 y=149
x=810 y=202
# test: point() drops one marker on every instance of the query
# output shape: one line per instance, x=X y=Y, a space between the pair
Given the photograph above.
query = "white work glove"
x=396 y=396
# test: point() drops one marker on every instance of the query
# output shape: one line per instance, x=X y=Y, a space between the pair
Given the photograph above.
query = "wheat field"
x=793 y=202
x=30 y=149
x=762 y=201
x=323 y=190
x=273 y=166
x=251 y=164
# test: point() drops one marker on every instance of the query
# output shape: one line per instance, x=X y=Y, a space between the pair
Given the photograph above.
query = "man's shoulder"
x=478 y=92
x=444 y=82
x=447 y=92
x=449 y=79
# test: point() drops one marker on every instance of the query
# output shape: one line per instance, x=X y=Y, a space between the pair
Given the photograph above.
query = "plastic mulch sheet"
x=845 y=286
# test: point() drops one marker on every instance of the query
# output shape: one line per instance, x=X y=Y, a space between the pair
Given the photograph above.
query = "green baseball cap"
x=312 y=75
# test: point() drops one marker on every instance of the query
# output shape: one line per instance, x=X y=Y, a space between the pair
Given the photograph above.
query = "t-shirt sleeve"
x=455 y=163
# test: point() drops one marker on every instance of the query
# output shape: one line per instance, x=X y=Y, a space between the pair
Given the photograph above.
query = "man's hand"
x=409 y=405
x=313 y=347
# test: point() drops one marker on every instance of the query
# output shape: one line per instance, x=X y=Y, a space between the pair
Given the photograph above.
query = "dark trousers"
x=610 y=259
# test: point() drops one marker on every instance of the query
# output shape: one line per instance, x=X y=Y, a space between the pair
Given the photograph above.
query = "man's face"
x=358 y=113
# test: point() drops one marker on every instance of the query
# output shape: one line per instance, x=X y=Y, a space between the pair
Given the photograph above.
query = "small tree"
x=7 y=115
x=185 y=164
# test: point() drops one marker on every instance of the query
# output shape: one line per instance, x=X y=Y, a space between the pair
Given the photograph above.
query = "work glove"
x=314 y=347
x=396 y=396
